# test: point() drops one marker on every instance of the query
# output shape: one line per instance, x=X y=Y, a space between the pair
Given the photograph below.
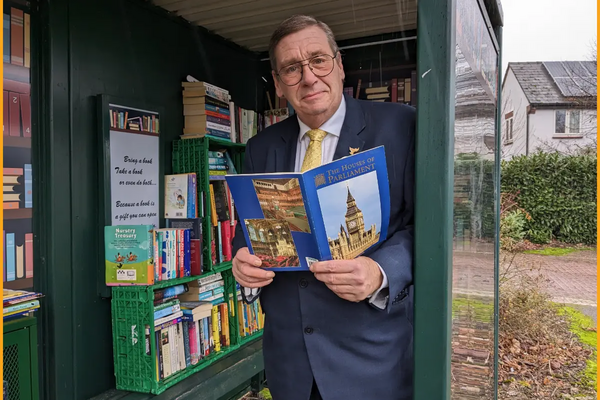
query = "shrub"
x=512 y=229
x=558 y=191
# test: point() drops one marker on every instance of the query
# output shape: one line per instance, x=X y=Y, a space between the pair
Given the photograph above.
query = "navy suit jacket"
x=352 y=350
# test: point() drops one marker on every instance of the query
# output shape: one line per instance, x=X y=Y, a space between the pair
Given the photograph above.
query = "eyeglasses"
x=320 y=65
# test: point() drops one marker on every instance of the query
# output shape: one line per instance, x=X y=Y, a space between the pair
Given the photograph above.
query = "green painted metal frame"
x=434 y=189
x=498 y=153
x=52 y=213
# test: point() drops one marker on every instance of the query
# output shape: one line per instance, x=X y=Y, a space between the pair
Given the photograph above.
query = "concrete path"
x=569 y=279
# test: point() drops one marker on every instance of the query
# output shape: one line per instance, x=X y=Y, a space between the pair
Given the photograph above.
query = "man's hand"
x=352 y=280
x=246 y=272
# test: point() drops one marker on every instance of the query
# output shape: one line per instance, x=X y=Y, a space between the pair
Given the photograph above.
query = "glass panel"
x=574 y=121
x=18 y=205
x=473 y=294
x=560 y=122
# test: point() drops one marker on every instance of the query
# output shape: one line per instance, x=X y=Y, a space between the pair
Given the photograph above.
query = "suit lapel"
x=285 y=156
x=354 y=124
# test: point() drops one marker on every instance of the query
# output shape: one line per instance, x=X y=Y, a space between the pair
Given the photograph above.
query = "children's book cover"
x=129 y=255
x=336 y=211
x=180 y=196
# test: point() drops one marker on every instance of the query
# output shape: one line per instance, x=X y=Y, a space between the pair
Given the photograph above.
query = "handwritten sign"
x=134 y=175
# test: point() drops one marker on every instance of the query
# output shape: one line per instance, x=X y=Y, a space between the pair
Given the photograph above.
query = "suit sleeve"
x=238 y=238
x=239 y=241
x=395 y=255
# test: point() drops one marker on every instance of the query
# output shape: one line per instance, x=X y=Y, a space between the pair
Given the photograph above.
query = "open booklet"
x=335 y=211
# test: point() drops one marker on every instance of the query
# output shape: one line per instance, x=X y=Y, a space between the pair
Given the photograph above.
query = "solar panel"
x=574 y=78
x=556 y=69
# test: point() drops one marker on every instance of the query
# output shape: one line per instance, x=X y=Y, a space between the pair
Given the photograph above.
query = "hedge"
x=558 y=191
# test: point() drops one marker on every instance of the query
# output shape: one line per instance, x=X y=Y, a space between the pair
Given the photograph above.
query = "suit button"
x=303 y=283
x=308 y=330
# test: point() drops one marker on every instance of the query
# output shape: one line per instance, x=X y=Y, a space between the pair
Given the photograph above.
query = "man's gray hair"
x=295 y=24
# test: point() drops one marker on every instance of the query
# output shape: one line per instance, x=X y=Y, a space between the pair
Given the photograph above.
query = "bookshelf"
x=17 y=141
x=18 y=128
x=137 y=358
x=134 y=347
x=191 y=155
x=18 y=213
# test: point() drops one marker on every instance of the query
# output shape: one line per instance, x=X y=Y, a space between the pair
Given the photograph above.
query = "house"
x=548 y=106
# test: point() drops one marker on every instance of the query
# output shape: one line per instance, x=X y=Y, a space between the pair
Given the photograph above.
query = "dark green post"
x=434 y=193
x=497 y=171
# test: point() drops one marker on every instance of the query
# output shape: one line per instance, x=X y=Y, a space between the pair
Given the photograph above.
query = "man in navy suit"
x=343 y=330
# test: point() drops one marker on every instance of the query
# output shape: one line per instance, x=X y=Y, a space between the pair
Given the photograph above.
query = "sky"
x=333 y=198
x=548 y=30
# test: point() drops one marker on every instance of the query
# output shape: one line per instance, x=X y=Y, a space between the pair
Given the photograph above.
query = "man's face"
x=313 y=98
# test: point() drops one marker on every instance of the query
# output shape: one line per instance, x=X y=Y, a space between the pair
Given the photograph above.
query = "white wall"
x=542 y=133
x=513 y=99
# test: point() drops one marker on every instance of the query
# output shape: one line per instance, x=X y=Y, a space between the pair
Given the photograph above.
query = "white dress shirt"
x=333 y=127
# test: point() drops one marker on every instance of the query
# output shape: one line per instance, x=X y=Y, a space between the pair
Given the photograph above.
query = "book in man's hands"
x=336 y=211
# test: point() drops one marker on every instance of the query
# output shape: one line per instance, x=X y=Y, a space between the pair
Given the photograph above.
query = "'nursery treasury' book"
x=336 y=211
x=128 y=255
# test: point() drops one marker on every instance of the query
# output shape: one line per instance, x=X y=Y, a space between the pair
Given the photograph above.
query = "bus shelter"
x=69 y=64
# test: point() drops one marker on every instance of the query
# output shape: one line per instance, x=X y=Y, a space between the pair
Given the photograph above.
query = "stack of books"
x=251 y=318
x=191 y=322
x=206 y=110
x=19 y=303
x=18 y=188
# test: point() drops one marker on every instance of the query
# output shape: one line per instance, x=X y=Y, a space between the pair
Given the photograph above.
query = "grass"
x=266 y=394
x=556 y=251
x=583 y=326
x=480 y=310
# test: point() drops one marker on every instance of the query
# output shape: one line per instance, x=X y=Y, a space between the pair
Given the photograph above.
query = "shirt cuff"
x=251 y=294
x=380 y=298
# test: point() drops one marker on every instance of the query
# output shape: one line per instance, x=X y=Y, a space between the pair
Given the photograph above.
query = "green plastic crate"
x=133 y=311
x=191 y=155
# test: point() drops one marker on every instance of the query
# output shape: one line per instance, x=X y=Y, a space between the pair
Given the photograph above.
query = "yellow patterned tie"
x=312 y=158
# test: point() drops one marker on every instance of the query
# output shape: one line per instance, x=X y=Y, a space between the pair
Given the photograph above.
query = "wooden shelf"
x=134 y=131
x=17 y=73
x=19 y=284
x=18 y=213
x=17 y=141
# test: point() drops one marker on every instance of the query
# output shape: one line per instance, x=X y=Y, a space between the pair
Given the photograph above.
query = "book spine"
x=309 y=212
x=163 y=256
x=158 y=314
x=170 y=317
x=166 y=324
x=181 y=252
x=186 y=344
x=187 y=253
x=171 y=255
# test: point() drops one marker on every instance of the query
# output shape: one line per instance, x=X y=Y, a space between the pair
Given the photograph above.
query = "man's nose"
x=308 y=77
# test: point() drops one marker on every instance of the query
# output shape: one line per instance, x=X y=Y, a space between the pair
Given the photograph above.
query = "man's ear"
x=277 y=84
x=341 y=65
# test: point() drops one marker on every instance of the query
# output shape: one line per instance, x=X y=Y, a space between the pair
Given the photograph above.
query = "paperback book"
x=336 y=211
x=128 y=255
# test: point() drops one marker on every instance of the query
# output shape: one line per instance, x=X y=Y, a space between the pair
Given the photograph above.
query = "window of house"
x=567 y=121
x=508 y=129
